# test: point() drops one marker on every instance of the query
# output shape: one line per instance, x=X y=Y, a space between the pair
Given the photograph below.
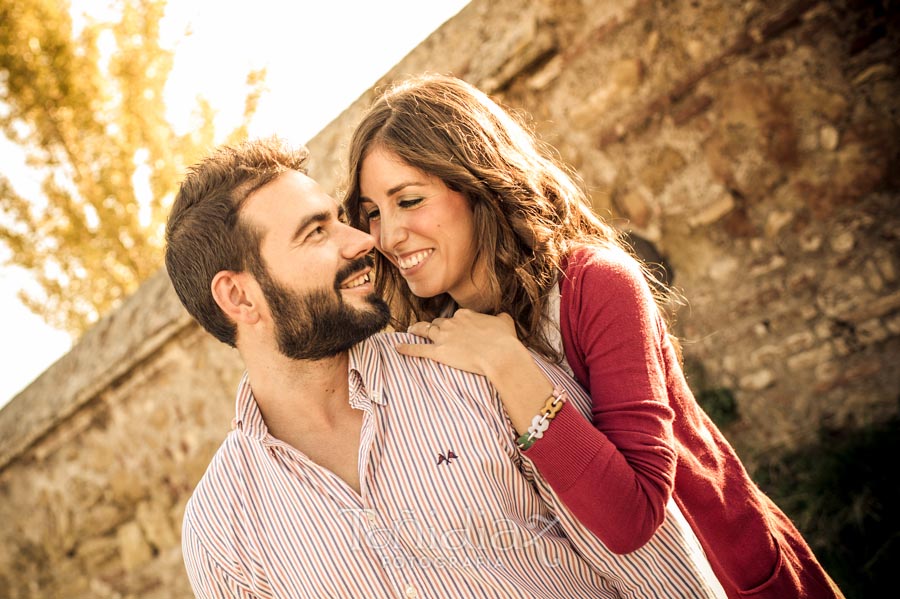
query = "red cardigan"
x=652 y=439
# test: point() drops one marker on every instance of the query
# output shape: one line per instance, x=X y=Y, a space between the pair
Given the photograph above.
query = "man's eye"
x=318 y=231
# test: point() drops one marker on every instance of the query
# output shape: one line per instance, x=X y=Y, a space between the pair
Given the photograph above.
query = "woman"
x=490 y=249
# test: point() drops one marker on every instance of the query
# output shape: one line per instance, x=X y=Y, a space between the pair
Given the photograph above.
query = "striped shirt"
x=447 y=506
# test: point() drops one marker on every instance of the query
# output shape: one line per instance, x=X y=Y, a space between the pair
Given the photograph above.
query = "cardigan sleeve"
x=615 y=474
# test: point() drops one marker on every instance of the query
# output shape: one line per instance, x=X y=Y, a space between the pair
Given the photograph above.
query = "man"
x=352 y=470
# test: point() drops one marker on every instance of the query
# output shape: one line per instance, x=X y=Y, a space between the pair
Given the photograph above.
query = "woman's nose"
x=392 y=232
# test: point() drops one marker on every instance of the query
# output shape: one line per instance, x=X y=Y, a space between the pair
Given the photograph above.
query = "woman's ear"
x=235 y=293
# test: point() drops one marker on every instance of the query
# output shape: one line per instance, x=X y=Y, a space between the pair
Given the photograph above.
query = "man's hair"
x=528 y=210
x=205 y=233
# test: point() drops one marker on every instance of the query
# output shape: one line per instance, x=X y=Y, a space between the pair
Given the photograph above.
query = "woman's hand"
x=486 y=345
x=469 y=341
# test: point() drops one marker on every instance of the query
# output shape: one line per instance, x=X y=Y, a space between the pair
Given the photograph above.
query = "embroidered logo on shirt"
x=446 y=458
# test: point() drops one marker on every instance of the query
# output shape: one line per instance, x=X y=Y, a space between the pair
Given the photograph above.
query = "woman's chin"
x=424 y=291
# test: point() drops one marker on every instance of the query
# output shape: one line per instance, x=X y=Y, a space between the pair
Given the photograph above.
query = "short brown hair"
x=204 y=232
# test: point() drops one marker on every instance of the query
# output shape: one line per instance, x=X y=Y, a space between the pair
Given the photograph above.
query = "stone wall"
x=753 y=144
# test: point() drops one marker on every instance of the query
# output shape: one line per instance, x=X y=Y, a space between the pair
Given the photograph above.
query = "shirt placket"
x=380 y=541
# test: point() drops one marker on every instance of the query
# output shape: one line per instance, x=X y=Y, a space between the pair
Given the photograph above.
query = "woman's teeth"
x=410 y=261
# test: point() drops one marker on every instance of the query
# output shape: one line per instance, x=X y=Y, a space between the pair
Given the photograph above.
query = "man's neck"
x=306 y=405
x=296 y=396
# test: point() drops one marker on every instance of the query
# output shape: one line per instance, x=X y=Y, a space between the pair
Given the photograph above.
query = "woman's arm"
x=617 y=475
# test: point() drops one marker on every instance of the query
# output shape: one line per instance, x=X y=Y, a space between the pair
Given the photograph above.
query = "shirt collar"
x=248 y=419
x=365 y=382
x=366 y=371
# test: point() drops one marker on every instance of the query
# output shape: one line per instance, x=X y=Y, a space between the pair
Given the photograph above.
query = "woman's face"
x=425 y=229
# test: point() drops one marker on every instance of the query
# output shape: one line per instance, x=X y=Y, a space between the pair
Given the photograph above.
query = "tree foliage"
x=87 y=107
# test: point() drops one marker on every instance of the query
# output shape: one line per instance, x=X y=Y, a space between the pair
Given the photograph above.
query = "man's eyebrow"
x=318 y=217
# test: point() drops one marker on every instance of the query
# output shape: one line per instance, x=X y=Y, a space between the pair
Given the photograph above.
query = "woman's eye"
x=372 y=214
x=410 y=202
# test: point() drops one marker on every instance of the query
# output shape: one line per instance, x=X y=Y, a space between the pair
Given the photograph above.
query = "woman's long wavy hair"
x=529 y=211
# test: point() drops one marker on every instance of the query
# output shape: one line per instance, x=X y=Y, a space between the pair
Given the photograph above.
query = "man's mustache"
x=352 y=268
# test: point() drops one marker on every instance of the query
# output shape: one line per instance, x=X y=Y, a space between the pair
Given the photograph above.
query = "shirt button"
x=411 y=592
x=370 y=516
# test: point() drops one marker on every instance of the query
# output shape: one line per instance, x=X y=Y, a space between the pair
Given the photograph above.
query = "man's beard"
x=319 y=324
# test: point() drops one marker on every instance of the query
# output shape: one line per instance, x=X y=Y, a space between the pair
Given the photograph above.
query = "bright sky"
x=320 y=56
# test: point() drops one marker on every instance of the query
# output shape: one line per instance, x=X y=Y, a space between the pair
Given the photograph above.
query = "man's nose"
x=357 y=243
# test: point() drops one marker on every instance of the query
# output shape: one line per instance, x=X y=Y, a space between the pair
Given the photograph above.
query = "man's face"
x=317 y=270
x=318 y=323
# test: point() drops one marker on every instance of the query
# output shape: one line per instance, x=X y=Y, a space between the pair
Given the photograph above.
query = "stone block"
x=755 y=139
x=810 y=359
x=761 y=329
x=867 y=308
x=757 y=381
x=810 y=242
x=886 y=265
x=713 y=212
x=823 y=329
x=95 y=552
x=134 y=550
x=517 y=47
x=872 y=274
x=618 y=83
x=843 y=346
x=892 y=324
x=724 y=268
x=799 y=342
x=767 y=355
x=815 y=100
x=153 y=517
x=127 y=486
x=827 y=372
x=807 y=312
x=662 y=166
x=871 y=331
x=842 y=242
x=802 y=280
x=635 y=205
x=776 y=221
x=828 y=138
x=100 y=518
x=690 y=107
x=774 y=263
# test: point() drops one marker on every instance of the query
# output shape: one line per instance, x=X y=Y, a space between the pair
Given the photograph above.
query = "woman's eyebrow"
x=400 y=186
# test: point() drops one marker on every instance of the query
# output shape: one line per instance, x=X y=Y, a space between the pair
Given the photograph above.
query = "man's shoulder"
x=414 y=369
x=384 y=347
x=219 y=487
x=389 y=339
x=211 y=525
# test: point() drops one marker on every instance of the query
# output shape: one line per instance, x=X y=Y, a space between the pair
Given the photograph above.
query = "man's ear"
x=236 y=294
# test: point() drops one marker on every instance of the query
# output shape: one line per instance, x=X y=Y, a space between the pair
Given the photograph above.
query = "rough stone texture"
x=754 y=143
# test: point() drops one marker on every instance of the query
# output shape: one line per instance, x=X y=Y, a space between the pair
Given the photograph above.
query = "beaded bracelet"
x=541 y=422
